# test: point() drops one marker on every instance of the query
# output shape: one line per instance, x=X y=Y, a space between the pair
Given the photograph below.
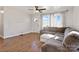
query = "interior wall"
x=72 y=18
x=16 y=22
x=1 y=25
x=69 y=18
x=76 y=17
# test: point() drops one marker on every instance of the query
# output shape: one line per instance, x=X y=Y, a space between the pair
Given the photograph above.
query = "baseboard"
x=34 y=32
x=2 y=37
x=16 y=35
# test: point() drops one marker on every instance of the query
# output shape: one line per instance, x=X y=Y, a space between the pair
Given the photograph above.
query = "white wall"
x=16 y=22
x=69 y=18
x=72 y=18
x=76 y=17
x=1 y=25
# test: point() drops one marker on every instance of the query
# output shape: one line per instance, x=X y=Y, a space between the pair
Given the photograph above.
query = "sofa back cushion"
x=60 y=30
x=54 y=29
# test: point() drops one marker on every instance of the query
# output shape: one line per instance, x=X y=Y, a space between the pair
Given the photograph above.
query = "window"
x=52 y=20
x=45 y=20
x=58 y=20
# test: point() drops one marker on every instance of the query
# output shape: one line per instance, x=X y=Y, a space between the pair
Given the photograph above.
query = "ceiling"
x=49 y=9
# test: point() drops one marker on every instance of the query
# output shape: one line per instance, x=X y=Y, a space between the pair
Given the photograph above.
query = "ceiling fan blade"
x=42 y=9
x=36 y=7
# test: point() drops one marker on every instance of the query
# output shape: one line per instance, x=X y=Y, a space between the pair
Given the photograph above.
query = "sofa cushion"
x=59 y=36
x=52 y=30
x=46 y=32
x=55 y=29
x=47 y=36
x=54 y=42
x=61 y=29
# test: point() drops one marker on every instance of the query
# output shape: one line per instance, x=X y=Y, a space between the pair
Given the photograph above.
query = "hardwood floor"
x=26 y=43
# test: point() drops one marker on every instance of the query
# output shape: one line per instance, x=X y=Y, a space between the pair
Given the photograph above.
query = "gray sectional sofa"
x=67 y=41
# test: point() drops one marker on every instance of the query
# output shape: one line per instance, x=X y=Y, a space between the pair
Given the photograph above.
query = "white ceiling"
x=49 y=9
x=54 y=9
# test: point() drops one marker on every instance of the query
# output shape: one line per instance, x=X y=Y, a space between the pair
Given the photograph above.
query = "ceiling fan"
x=37 y=9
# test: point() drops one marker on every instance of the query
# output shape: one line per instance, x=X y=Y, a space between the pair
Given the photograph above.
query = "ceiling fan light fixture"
x=2 y=11
x=37 y=11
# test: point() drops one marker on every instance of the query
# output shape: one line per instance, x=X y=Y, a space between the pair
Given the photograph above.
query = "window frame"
x=60 y=14
x=50 y=19
x=42 y=20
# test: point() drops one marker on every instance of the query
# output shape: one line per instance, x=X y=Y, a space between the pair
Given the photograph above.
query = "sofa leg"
x=44 y=48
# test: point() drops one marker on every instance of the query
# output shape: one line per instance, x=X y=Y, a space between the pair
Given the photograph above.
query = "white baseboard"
x=2 y=36
x=36 y=31
x=15 y=35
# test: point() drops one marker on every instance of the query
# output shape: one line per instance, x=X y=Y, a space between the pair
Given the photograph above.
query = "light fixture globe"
x=2 y=11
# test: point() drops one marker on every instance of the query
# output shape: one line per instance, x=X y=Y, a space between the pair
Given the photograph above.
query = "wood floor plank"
x=24 y=43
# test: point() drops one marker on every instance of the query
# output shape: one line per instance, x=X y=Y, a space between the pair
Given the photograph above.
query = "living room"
x=20 y=26
x=64 y=35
